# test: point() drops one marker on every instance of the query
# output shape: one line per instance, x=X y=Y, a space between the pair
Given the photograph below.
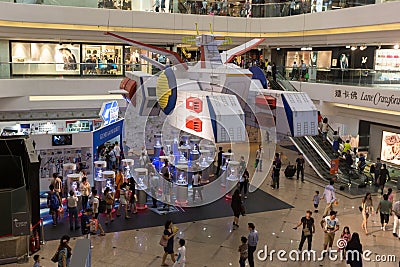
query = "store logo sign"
x=109 y=112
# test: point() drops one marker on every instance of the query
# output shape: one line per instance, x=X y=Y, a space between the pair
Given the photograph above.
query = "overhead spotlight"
x=347 y=46
x=396 y=46
x=363 y=47
x=278 y=48
x=353 y=48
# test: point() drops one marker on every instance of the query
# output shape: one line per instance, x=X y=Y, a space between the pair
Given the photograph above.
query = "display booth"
x=67 y=153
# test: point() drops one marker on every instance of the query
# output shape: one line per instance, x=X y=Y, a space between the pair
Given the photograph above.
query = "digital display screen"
x=390 y=151
x=61 y=140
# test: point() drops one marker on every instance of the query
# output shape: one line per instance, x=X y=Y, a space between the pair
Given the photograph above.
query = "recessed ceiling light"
x=396 y=46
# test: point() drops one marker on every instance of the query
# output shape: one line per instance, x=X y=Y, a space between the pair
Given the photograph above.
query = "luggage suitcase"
x=290 y=171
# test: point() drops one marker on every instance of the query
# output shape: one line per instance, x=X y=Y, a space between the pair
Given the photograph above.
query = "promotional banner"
x=334 y=166
x=390 y=150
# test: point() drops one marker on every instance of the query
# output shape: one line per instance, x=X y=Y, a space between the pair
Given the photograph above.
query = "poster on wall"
x=68 y=56
x=390 y=151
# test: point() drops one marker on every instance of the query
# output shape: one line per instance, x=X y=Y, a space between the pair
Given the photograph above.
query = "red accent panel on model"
x=195 y=104
x=266 y=100
x=124 y=82
x=131 y=89
x=194 y=124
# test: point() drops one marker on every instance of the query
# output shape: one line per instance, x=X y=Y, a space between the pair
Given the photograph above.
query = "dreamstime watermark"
x=314 y=256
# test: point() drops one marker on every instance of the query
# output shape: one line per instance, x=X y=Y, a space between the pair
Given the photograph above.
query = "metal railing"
x=256 y=8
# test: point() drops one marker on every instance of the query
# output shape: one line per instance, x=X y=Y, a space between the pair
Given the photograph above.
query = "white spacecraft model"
x=215 y=99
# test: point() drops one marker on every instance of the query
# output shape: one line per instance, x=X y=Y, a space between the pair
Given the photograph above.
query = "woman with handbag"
x=63 y=253
x=236 y=206
x=307 y=230
x=167 y=241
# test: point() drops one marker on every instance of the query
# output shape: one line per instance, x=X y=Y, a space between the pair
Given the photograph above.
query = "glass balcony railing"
x=358 y=77
x=254 y=8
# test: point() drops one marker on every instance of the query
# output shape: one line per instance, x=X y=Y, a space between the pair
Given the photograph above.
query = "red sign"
x=334 y=166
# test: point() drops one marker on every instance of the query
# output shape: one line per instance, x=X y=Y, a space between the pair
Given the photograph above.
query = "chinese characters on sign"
x=346 y=94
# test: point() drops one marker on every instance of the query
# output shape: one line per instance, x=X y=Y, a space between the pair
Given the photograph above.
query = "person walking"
x=169 y=234
x=354 y=260
x=243 y=250
x=307 y=230
x=259 y=156
x=396 y=219
x=119 y=178
x=294 y=71
x=196 y=185
x=277 y=164
x=252 y=243
x=219 y=161
x=109 y=198
x=72 y=206
x=123 y=201
x=236 y=205
x=244 y=183
x=181 y=258
x=85 y=192
x=367 y=208
x=330 y=197
x=378 y=166
x=300 y=163
x=383 y=178
x=330 y=225
x=385 y=209
x=64 y=252
x=54 y=203
x=316 y=200
x=117 y=151
x=167 y=186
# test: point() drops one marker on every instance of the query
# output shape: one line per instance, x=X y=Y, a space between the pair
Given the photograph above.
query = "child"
x=180 y=261
x=243 y=252
x=316 y=201
x=36 y=258
x=345 y=236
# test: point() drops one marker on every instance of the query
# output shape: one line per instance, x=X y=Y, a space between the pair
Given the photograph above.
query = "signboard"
x=106 y=133
x=390 y=151
x=20 y=224
x=334 y=166
x=109 y=112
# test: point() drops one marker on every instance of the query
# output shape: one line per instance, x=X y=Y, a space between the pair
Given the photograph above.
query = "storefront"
x=46 y=58
x=387 y=65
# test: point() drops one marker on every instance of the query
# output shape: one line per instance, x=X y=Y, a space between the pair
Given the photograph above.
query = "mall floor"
x=213 y=243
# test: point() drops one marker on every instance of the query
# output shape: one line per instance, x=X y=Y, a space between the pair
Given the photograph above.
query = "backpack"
x=102 y=206
x=54 y=201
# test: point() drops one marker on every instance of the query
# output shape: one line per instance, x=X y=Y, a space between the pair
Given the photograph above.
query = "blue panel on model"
x=289 y=114
x=213 y=117
x=258 y=74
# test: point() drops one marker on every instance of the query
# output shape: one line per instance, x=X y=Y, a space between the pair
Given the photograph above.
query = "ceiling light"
x=363 y=47
x=353 y=48
x=396 y=46
x=278 y=48
x=347 y=46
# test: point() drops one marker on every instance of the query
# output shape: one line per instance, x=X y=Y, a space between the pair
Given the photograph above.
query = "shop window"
x=45 y=59
x=102 y=59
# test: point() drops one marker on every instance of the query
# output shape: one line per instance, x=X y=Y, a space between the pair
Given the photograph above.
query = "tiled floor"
x=213 y=243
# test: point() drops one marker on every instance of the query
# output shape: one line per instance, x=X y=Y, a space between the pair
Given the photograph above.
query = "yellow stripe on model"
x=162 y=90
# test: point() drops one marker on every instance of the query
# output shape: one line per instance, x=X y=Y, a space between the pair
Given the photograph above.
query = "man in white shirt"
x=117 y=151
x=396 y=219
x=330 y=225
x=330 y=197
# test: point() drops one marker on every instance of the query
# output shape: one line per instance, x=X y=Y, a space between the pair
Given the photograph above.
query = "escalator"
x=317 y=152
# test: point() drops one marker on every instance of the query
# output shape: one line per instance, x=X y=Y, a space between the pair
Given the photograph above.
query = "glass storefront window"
x=115 y=4
x=45 y=58
x=102 y=59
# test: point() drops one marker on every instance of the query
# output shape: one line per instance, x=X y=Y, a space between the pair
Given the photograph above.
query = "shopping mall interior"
x=161 y=132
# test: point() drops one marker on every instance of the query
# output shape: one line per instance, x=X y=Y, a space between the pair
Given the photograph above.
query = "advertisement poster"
x=68 y=56
x=334 y=166
x=390 y=151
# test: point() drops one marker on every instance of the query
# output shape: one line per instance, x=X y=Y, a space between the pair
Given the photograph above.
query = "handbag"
x=306 y=231
x=163 y=242
x=55 y=257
